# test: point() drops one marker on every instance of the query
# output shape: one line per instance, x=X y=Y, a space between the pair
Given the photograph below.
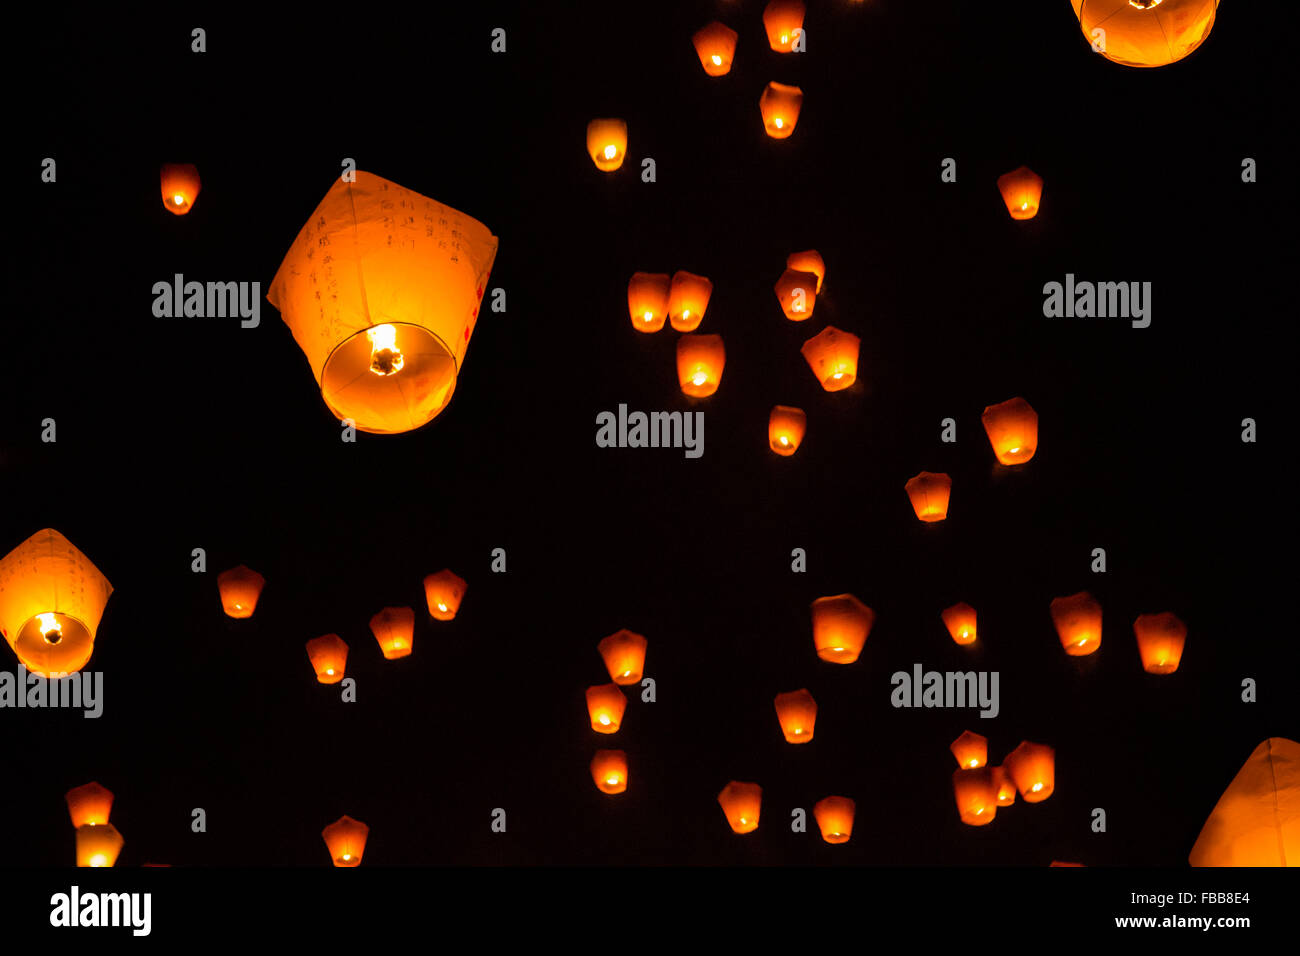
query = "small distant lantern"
x=329 y=657
x=808 y=261
x=740 y=804
x=1021 y=189
x=1005 y=787
x=647 y=300
x=346 y=840
x=716 y=46
x=605 y=706
x=180 y=187
x=1146 y=33
x=780 y=104
x=833 y=357
x=609 y=771
x=1078 y=623
x=960 y=621
x=89 y=805
x=1160 y=640
x=240 y=588
x=1032 y=768
x=783 y=21
x=785 y=429
x=444 y=591
x=976 y=794
x=624 y=656
x=688 y=297
x=394 y=629
x=834 y=817
x=98 y=844
x=1012 y=427
x=971 y=750
x=700 y=359
x=1063 y=863
x=797 y=293
x=841 y=624
x=607 y=143
x=929 y=493
x=797 y=713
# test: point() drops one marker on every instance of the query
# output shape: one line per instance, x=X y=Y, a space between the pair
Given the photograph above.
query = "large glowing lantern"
x=1160 y=640
x=1022 y=191
x=740 y=804
x=381 y=290
x=976 y=795
x=1257 y=820
x=329 y=657
x=834 y=816
x=785 y=429
x=1032 y=768
x=797 y=713
x=647 y=300
x=783 y=21
x=444 y=591
x=715 y=43
x=605 y=706
x=960 y=621
x=1078 y=623
x=797 y=293
x=240 y=587
x=394 y=629
x=700 y=359
x=607 y=143
x=833 y=357
x=971 y=750
x=1005 y=786
x=89 y=804
x=688 y=297
x=345 y=838
x=808 y=261
x=51 y=600
x=180 y=187
x=840 y=624
x=609 y=771
x=1145 y=32
x=929 y=493
x=624 y=656
x=1012 y=427
x=780 y=104
x=98 y=844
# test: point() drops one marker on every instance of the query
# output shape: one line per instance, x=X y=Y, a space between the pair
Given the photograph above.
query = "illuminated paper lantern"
x=796 y=711
x=381 y=290
x=1257 y=820
x=1022 y=191
x=1032 y=768
x=971 y=750
x=609 y=771
x=1063 y=863
x=833 y=357
x=98 y=844
x=688 y=297
x=700 y=359
x=345 y=839
x=444 y=592
x=929 y=494
x=329 y=657
x=1160 y=640
x=51 y=600
x=1012 y=427
x=624 y=656
x=783 y=21
x=841 y=624
x=779 y=106
x=605 y=706
x=647 y=300
x=1078 y=623
x=797 y=293
x=960 y=621
x=1005 y=787
x=394 y=629
x=740 y=804
x=785 y=429
x=715 y=44
x=607 y=143
x=89 y=805
x=1145 y=33
x=976 y=795
x=808 y=261
x=240 y=588
x=180 y=187
x=834 y=817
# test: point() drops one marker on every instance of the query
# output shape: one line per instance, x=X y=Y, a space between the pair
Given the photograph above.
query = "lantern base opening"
x=416 y=379
x=65 y=650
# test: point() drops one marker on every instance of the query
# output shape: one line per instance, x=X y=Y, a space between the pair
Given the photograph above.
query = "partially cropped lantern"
x=808 y=261
x=976 y=795
x=785 y=429
x=971 y=750
x=796 y=711
x=381 y=290
x=1160 y=639
x=929 y=493
x=688 y=297
x=833 y=357
x=609 y=771
x=180 y=187
x=1145 y=33
x=700 y=359
x=394 y=629
x=1078 y=623
x=834 y=816
x=779 y=105
x=345 y=839
x=605 y=706
x=841 y=624
x=797 y=293
x=783 y=21
x=647 y=300
x=1256 y=822
x=607 y=143
x=715 y=44
x=740 y=804
x=1032 y=768
x=1022 y=191
x=329 y=657
x=444 y=591
x=960 y=621
x=51 y=600
x=624 y=656
x=240 y=588
x=98 y=844
x=89 y=805
x=1006 y=788
x=1012 y=427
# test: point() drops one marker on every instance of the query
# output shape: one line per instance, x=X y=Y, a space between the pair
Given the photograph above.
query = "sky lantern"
x=98 y=844
x=444 y=592
x=240 y=587
x=834 y=816
x=780 y=105
x=607 y=143
x=808 y=261
x=605 y=706
x=1005 y=786
x=700 y=359
x=1160 y=640
x=1063 y=863
x=180 y=187
x=960 y=621
x=976 y=795
x=346 y=840
x=609 y=771
x=971 y=750
x=783 y=21
x=1257 y=820
x=797 y=293
x=624 y=655
x=89 y=804
x=929 y=493
x=394 y=629
x=716 y=45
x=1012 y=427
x=1022 y=190
x=329 y=657
x=1146 y=32
x=740 y=804
x=688 y=297
x=51 y=600
x=797 y=713
x=833 y=357
x=1032 y=768
x=381 y=290
x=841 y=624
x=1078 y=623
x=785 y=429
x=647 y=300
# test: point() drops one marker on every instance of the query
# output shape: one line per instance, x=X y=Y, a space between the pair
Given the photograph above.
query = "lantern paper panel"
x=647 y=300
x=1146 y=33
x=715 y=44
x=700 y=360
x=1160 y=639
x=971 y=750
x=1022 y=191
x=783 y=21
x=841 y=624
x=833 y=357
x=960 y=621
x=929 y=495
x=240 y=587
x=89 y=805
x=329 y=657
x=394 y=629
x=180 y=187
x=834 y=816
x=98 y=844
x=1078 y=623
x=796 y=711
x=809 y=260
x=609 y=771
x=1012 y=427
x=605 y=706
x=624 y=656
x=740 y=804
x=976 y=796
x=797 y=293
x=1257 y=820
x=1032 y=768
x=688 y=297
x=779 y=106
x=388 y=340
x=607 y=143
x=1006 y=788
x=345 y=839
x=785 y=429
x=444 y=591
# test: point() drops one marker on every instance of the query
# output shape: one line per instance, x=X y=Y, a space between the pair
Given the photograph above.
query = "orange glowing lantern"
x=797 y=713
x=1078 y=623
x=783 y=21
x=240 y=588
x=607 y=143
x=381 y=289
x=960 y=621
x=971 y=750
x=797 y=293
x=1257 y=820
x=929 y=493
x=834 y=817
x=345 y=838
x=833 y=357
x=976 y=794
x=89 y=805
x=700 y=359
x=1022 y=190
x=785 y=428
x=394 y=629
x=688 y=297
x=1005 y=787
x=1145 y=33
x=180 y=187
x=1012 y=427
x=605 y=706
x=98 y=844
x=329 y=657
x=841 y=624
x=780 y=105
x=624 y=655
x=809 y=261
x=647 y=300
x=1160 y=640
x=609 y=771
x=444 y=591
x=1063 y=863
x=716 y=45
x=740 y=804
x=51 y=600
x=1032 y=768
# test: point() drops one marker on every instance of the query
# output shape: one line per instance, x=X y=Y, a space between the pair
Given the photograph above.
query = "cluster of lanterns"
x=653 y=298
x=979 y=789
x=624 y=655
x=1160 y=637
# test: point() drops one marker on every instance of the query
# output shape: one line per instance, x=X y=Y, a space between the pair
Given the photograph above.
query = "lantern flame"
x=611 y=151
x=385 y=357
x=51 y=629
